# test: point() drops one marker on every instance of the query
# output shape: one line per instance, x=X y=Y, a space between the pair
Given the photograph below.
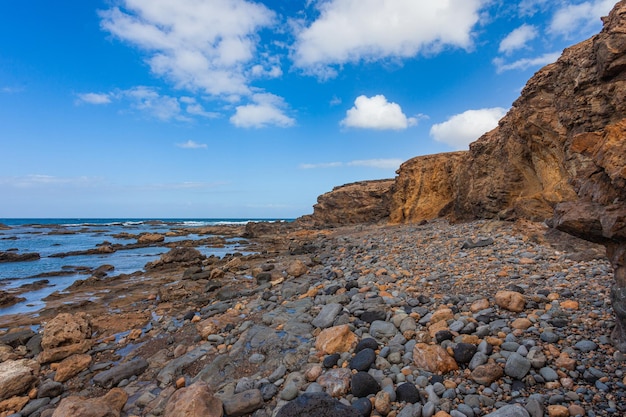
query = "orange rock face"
x=337 y=339
x=433 y=358
x=510 y=300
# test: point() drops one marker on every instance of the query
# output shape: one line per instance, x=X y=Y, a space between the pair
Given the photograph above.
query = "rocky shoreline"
x=438 y=319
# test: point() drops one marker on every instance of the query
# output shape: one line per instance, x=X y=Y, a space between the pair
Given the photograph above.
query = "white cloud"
x=377 y=163
x=148 y=100
x=580 y=19
x=377 y=113
x=518 y=39
x=41 y=180
x=354 y=30
x=197 y=44
x=94 y=98
x=265 y=110
x=530 y=7
x=322 y=165
x=388 y=164
x=526 y=63
x=462 y=129
x=190 y=144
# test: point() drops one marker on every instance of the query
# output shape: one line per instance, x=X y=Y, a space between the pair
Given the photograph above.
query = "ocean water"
x=52 y=236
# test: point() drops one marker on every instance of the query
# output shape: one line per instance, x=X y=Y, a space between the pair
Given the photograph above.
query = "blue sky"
x=234 y=108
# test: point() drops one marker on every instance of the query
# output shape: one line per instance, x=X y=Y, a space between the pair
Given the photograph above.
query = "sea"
x=48 y=237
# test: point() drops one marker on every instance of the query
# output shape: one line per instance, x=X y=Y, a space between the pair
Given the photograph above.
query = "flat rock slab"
x=115 y=375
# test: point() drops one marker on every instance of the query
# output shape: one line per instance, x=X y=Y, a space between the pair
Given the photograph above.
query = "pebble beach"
x=437 y=319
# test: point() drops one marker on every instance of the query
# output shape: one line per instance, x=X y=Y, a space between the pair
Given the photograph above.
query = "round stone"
x=517 y=366
x=363 y=360
x=586 y=346
x=368 y=343
x=331 y=360
x=363 y=384
x=408 y=393
x=463 y=352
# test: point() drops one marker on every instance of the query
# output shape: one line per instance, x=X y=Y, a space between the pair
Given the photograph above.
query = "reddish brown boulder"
x=71 y=366
x=196 y=400
x=433 y=358
x=66 y=329
x=337 y=339
x=109 y=405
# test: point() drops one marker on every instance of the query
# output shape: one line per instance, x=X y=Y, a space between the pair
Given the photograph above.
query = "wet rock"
x=363 y=406
x=316 y=405
x=336 y=339
x=16 y=377
x=183 y=256
x=115 y=375
x=196 y=400
x=10 y=256
x=368 y=343
x=433 y=358
x=331 y=360
x=150 y=238
x=71 y=366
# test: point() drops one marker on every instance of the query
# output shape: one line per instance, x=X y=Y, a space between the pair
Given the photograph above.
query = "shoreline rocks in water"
x=11 y=256
x=351 y=318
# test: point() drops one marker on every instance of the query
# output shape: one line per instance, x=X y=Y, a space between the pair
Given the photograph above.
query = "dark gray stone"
x=408 y=392
x=317 y=405
x=363 y=360
x=115 y=375
x=363 y=384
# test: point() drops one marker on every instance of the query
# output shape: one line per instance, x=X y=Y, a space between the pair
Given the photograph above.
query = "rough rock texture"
x=108 y=406
x=318 y=405
x=194 y=401
x=359 y=202
x=16 y=377
x=66 y=329
x=425 y=187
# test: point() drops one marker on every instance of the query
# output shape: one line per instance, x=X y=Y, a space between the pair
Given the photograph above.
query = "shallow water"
x=48 y=238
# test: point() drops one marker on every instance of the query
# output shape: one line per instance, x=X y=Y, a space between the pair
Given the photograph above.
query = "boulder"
x=196 y=400
x=66 y=329
x=182 y=256
x=71 y=366
x=359 y=202
x=433 y=358
x=510 y=300
x=337 y=339
x=110 y=405
x=150 y=238
x=17 y=377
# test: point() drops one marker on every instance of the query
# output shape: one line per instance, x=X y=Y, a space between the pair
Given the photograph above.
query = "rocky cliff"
x=558 y=155
x=424 y=187
x=359 y=202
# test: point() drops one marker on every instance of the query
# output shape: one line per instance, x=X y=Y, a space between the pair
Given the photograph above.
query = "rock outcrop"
x=359 y=202
x=425 y=187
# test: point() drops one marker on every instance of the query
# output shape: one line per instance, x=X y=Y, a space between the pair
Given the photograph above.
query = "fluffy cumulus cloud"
x=518 y=39
x=462 y=129
x=265 y=110
x=580 y=18
x=354 y=30
x=198 y=45
x=377 y=113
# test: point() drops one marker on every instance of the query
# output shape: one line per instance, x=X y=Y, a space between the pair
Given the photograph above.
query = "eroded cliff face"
x=425 y=187
x=540 y=152
x=359 y=202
